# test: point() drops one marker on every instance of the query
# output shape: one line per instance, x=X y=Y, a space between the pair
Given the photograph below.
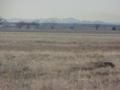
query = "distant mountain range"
x=51 y=24
x=59 y=20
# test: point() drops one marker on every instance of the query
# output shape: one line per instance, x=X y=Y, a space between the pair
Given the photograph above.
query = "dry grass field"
x=59 y=61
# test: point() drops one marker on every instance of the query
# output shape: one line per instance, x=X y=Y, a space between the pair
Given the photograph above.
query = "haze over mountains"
x=60 y=20
x=56 y=24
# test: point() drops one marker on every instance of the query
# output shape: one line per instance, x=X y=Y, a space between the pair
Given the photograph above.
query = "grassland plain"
x=59 y=61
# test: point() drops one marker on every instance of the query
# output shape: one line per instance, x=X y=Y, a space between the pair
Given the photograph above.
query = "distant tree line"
x=36 y=25
x=27 y=24
x=114 y=28
x=2 y=21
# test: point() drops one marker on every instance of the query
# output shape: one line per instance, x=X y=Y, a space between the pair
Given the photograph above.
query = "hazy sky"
x=108 y=10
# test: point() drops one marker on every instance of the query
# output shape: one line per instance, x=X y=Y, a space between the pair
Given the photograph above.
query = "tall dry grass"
x=59 y=61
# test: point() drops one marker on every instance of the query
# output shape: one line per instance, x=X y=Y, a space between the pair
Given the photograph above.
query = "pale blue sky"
x=107 y=10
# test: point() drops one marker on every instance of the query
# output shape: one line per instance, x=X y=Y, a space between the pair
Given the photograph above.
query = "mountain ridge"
x=61 y=20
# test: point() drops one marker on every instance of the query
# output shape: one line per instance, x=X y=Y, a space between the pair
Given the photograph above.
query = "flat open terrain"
x=59 y=61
